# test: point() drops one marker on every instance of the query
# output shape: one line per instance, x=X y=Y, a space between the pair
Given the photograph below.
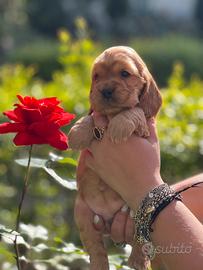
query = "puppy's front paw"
x=142 y=130
x=80 y=135
x=78 y=140
x=120 y=129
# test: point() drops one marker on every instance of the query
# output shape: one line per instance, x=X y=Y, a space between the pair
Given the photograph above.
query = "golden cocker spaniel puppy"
x=122 y=89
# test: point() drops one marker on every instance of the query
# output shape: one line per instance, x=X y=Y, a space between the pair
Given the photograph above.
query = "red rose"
x=38 y=121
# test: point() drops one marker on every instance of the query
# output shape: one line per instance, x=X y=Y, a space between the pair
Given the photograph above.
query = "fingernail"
x=132 y=213
x=124 y=208
x=96 y=219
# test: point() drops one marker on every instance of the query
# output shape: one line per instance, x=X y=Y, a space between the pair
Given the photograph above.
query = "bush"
x=160 y=54
x=180 y=126
x=41 y=53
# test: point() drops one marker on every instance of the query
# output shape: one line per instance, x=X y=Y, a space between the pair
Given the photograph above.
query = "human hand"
x=131 y=168
x=122 y=228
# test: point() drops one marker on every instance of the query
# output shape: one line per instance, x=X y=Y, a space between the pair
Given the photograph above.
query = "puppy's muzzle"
x=107 y=93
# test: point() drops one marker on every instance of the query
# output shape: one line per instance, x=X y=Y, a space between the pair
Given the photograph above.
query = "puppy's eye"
x=125 y=74
x=96 y=77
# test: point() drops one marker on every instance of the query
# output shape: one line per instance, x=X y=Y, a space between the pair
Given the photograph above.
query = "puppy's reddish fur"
x=131 y=97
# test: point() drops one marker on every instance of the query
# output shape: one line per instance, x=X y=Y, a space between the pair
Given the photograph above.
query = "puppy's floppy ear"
x=150 y=97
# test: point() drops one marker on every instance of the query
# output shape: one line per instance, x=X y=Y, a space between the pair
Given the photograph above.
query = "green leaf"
x=54 y=157
x=62 y=160
x=8 y=254
x=68 y=160
x=40 y=247
x=10 y=238
x=35 y=162
x=34 y=232
x=58 y=240
x=44 y=163
x=41 y=266
x=3 y=229
x=67 y=183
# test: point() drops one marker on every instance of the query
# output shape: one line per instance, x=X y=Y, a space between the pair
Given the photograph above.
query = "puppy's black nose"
x=107 y=93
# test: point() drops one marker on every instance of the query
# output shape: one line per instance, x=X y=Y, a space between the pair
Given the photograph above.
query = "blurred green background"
x=47 y=48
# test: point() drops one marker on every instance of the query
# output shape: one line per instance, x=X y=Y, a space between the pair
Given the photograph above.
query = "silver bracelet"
x=155 y=201
x=150 y=207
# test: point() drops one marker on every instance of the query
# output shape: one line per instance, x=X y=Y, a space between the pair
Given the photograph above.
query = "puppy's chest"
x=100 y=197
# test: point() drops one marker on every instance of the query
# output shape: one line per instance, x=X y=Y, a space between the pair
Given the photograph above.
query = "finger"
x=118 y=225
x=129 y=230
x=153 y=138
x=98 y=223
x=99 y=120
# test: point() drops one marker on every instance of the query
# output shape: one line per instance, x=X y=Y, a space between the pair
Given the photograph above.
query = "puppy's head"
x=121 y=80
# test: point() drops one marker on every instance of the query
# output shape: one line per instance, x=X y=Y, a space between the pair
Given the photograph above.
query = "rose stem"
x=25 y=186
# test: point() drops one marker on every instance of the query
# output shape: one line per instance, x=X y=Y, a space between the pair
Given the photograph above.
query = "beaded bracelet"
x=150 y=207
x=155 y=201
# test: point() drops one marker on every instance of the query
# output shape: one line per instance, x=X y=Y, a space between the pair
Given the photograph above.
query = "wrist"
x=135 y=196
x=151 y=206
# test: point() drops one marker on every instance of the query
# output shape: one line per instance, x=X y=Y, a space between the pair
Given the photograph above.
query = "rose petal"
x=21 y=99
x=53 y=100
x=29 y=102
x=11 y=127
x=53 y=117
x=58 y=140
x=43 y=128
x=18 y=112
x=12 y=115
x=66 y=118
x=25 y=138
x=59 y=109
x=31 y=115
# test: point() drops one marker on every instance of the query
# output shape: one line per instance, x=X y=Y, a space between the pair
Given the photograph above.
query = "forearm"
x=188 y=181
x=178 y=238
x=193 y=197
